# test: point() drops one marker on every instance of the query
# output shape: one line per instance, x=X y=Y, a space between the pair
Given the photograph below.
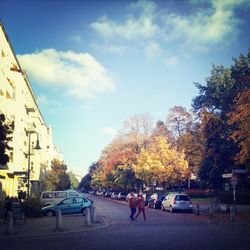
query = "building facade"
x=19 y=105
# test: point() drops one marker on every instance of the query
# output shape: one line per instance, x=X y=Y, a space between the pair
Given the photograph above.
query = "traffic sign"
x=228 y=175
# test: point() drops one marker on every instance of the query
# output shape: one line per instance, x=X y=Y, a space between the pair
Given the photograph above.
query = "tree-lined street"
x=162 y=230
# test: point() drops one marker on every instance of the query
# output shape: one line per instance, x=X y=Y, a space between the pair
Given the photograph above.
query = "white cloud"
x=152 y=50
x=211 y=23
x=79 y=74
x=171 y=61
x=116 y=49
x=141 y=27
x=207 y=27
x=110 y=131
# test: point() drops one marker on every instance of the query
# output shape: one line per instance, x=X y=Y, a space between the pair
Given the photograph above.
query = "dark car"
x=155 y=201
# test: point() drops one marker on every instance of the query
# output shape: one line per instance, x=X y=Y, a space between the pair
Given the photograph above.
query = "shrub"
x=198 y=193
x=32 y=208
x=242 y=197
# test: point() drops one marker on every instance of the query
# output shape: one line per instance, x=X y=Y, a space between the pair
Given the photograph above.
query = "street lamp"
x=36 y=147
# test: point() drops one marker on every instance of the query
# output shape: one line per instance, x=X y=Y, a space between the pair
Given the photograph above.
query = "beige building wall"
x=18 y=103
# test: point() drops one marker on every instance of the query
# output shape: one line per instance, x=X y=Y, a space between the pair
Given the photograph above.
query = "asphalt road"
x=162 y=230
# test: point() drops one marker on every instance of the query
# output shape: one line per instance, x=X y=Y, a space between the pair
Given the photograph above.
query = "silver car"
x=177 y=202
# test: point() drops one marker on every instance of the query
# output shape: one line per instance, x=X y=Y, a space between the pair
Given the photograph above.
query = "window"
x=78 y=200
x=182 y=198
x=11 y=156
x=66 y=201
x=61 y=195
x=73 y=194
x=48 y=195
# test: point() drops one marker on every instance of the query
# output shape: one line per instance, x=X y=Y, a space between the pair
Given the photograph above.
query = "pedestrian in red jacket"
x=132 y=202
x=141 y=207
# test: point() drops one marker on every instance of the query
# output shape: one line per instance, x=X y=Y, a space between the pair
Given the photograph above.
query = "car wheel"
x=83 y=211
x=49 y=213
x=171 y=210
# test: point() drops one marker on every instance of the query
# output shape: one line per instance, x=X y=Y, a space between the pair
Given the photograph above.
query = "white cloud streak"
x=206 y=27
x=79 y=74
x=141 y=27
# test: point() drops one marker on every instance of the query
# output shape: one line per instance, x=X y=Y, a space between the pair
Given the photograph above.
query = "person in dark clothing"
x=7 y=206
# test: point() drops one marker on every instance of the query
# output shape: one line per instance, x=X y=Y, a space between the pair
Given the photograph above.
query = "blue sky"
x=93 y=64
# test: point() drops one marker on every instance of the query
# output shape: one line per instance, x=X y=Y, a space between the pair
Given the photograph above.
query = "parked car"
x=177 y=202
x=155 y=201
x=72 y=205
x=114 y=195
x=99 y=193
x=53 y=197
x=122 y=196
x=107 y=194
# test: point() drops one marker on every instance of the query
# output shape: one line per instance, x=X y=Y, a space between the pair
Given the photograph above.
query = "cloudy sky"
x=93 y=64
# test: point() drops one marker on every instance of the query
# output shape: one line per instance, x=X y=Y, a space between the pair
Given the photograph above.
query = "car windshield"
x=182 y=198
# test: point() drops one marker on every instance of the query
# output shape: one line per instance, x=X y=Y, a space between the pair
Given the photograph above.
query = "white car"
x=114 y=195
x=177 y=202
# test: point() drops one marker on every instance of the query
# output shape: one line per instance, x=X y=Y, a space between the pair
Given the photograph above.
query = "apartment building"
x=18 y=104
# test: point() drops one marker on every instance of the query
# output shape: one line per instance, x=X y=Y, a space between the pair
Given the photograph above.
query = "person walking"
x=132 y=205
x=141 y=207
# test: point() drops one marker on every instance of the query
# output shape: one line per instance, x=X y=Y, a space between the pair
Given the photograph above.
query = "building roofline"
x=25 y=77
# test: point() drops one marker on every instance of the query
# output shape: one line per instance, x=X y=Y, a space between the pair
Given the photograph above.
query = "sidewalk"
x=47 y=226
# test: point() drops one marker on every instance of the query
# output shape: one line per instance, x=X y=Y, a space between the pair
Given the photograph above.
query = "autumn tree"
x=137 y=130
x=179 y=120
x=240 y=117
x=161 y=129
x=192 y=142
x=216 y=100
x=162 y=163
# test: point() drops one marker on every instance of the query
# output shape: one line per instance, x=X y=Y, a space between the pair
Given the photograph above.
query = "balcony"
x=30 y=107
x=30 y=127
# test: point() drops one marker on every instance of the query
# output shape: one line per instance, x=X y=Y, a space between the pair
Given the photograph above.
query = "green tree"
x=6 y=131
x=218 y=153
x=73 y=180
x=57 y=178
x=85 y=183
x=215 y=101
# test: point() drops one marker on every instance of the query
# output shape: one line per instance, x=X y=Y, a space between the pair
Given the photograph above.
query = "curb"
x=105 y=223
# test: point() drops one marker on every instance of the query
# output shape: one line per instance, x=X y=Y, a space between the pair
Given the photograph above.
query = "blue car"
x=72 y=205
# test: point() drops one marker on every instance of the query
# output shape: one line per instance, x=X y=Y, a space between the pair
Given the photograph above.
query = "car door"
x=66 y=206
x=78 y=205
x=166 y=202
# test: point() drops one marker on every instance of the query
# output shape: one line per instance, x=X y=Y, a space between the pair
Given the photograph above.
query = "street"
x=162 y=230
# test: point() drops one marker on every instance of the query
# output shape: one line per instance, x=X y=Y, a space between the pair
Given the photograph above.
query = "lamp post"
x=36 y=147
